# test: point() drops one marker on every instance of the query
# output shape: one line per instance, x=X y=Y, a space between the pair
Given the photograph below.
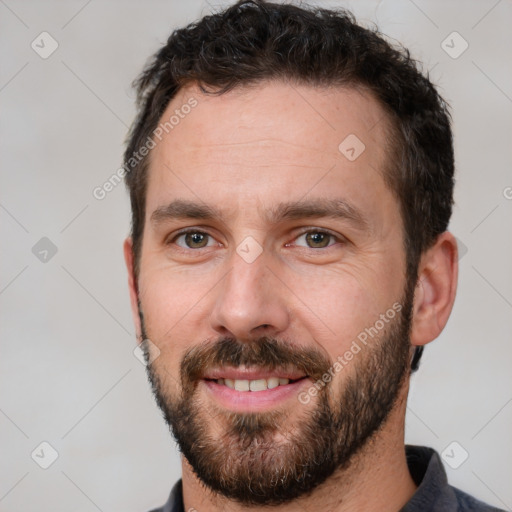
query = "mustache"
x=264 y=352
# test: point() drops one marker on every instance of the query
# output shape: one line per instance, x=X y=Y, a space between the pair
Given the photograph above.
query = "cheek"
x=333 y=307
x=169 y=320
x=337 y=306
x=173 y=302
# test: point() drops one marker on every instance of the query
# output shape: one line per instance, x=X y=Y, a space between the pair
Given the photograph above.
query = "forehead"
x=255 y=145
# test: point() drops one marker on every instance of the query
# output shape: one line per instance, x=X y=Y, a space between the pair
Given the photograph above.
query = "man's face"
x=267 y=253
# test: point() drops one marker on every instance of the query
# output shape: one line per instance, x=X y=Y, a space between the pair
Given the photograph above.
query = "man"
x=291 y=179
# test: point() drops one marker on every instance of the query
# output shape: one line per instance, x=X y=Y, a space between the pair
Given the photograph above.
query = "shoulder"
x=434 y=493
x=467 y=503
x=175 y=501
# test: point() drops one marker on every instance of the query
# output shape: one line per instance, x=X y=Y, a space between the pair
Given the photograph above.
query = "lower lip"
x=253 y=401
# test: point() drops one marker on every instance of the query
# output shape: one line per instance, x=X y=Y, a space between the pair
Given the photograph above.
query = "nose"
x=250 y=301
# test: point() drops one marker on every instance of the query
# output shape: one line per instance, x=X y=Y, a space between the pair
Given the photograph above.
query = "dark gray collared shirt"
x=433 y=494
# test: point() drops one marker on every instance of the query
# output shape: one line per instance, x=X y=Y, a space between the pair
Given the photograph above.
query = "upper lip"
x=251 y=374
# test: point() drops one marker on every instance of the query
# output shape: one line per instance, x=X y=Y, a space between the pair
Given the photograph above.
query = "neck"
x=377 y=479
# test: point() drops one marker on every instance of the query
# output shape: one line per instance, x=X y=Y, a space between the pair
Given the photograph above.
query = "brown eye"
x=194 y=240
x=318 y=240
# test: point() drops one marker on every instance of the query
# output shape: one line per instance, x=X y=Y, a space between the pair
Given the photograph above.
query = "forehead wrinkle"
x=289 y=155
x=268 y=143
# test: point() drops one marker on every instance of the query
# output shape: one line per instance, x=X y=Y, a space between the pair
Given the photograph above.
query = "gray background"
x=68 y=373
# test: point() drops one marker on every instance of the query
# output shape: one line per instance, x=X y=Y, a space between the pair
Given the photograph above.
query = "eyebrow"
x=291 y=210
x=330 y=208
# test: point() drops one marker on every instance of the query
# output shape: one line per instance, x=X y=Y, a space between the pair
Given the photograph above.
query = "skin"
x=244 y=153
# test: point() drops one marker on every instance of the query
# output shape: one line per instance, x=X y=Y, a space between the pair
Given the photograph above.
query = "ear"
x=435 y=290
x=132 y=284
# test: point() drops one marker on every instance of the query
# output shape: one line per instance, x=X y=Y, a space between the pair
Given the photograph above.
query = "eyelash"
x=306 y=231
x=187 y=232
x=336 y=238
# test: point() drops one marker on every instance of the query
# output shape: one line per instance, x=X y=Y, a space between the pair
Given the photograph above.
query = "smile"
x=254 y=385
x=245 y=390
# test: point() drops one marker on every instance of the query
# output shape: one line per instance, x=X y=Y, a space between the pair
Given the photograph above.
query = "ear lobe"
x=132 y=284
x=435 y=290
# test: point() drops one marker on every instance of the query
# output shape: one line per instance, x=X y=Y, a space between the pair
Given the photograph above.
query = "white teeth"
x=258 y=385
x=241 y=385
x=272 y=383
x=253 y=385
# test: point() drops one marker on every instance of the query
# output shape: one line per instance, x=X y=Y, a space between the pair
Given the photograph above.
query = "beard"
x=275 y=457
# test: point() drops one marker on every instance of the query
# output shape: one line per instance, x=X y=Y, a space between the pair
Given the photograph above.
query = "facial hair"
x=272 y=458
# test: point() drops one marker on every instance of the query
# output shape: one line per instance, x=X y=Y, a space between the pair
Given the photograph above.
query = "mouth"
x=255 y=384
x=250 y=390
